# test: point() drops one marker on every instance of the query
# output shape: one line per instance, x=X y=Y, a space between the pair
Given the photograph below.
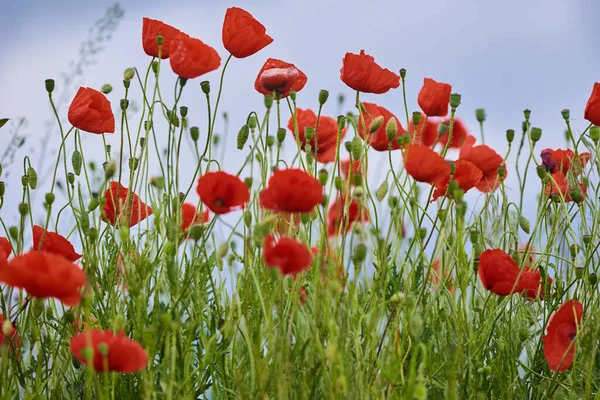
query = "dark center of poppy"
x=219 y=202
x=572 y=336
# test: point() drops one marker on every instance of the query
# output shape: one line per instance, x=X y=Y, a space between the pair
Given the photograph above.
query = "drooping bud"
x=242 y=136
x=577 y=195
x=106 y=88
x=32 y=177
x=524 y=224
x=382 y=190
x=252 y=122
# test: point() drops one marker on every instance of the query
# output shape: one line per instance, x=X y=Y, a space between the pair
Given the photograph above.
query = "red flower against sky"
x=345 y=167
x=459 y=134
x=361 y=72
x=559 y=185
x=487 y=160
x=563 y=160
x=13 y=338
x=291 y=190
x=466 y=174
x=191 y=58
x=434 y=98
x=120 y=209
x=426 y=133
x=53 y=243
x=324 y=143
x=242 y=34
x=287 y=254
x=559 y=345
x=190 y=216
x=378 y=140
x=592 y=108
x=339 y=221
x=5 y=249
x=43 y=275
x=425 y=165
x=150 y=30
x=90 y=111
x=222 y=192
x=279 y=76
x=108 y=352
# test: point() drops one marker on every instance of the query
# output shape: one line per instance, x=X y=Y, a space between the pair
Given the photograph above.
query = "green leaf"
x=3 y=121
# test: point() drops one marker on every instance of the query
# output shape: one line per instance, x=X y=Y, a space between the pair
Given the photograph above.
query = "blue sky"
x=502 y=56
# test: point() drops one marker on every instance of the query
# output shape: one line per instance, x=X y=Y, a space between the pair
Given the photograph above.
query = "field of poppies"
x=299 y=277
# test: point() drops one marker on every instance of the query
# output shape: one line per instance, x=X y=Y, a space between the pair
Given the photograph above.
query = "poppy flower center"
x=278 y=78
x=219 y=202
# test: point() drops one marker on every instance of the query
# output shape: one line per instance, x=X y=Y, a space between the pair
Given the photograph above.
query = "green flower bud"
x=222 y=250
x=155 y=67
x=133 y=163
x=32 y=177
x=443 y=128
x=341 y=120
x=194 y=133
x=183 y=111
x=280 y=135
x=106 y=88
x=124 y=104
x=76 y=162
x=510 y=135
x=579 y=272
x=252 y=122
x=270 y=141
x=348 y=146
x=592 y=279
x=535 y=134
x=248 y=181
x=356 y=148
x=455 y=100
x=205 y=86
x=360 y=252
x=182 y=81
x=323 y=96
x=49 y=85
x=524 y=224
x=49 y=198
x=247 y=218
x=357 y=179
x=13 y=231
x=268 y=101
x=382 y=190
x=422 y=233
x=25 y=180
x=391 y=128
x=527 y=114
x=338 y=182
x=71 y=178
x=292 y=95
x=305 y=218
x=242 y=136
x=541 y=171
x=23 y=209
x=474 y=235
x=323 y=176
x=480 y=114
x=110 y=168
x=358 y=192
x=196 y=232
x=393 y=201
x=416 y=118
x=403 y=73
x=376 y=124
x=309 y=133
x=577 y=195
x=595 y=133
x=2 y=188
x=501 y=171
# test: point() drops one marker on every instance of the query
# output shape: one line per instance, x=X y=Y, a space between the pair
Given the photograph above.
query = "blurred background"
x=501 y=56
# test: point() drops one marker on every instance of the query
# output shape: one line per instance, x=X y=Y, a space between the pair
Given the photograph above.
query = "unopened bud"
x=595 y=133
x=49 y=198
x=566 y=114
x=252 y=122
x=524 y=224
x=356 y=148
x=280 y=135
x=268 y=101
x=32 y=177
x=110 y=168
x=270 y=141
x=323 y=96
x=382 y=190
x=205 y=86
x=247 y=218
x=576 y=194
x=23 y=209
x=38 y=307
x=242 y=136
x=360 y=252
x=323 y=177
x=480 y=114
x=309 y=133
x=76 y=162
x=391 y=128
x=106 y=88
x=416 y=118
x=376 y=124
x=501 y=171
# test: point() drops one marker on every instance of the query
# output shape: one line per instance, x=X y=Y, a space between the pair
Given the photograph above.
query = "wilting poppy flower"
x=426 y=133
x=191 y=58
x=559 y=185
x=459 y=134
x=361 y=72
x=466 y=175
x=190 y=216
x=592 y=108
x=324 y=143
x=279 y=76
x=242 y=34
x=436 y=276
x=563 y=160
x=222 y=192
x=487 y=160
x=90 y=111
x=561 y=331
x=122 y=205
x=345 y=167
x=13 y=338
x=53 y=243
x=425 y=165
x=340 y=222
x=434 y=98
x=287 y=254
x=107 y=352
x=151 y=28
x=43 y=275
x=291 y=190
x=378 y=139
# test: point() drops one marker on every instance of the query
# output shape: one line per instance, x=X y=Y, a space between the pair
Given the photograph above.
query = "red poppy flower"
x=361 y=72
x=436 y=276
x=13 y=338
x=119 y=208
x=191 y=58
x=324 y=143
x=90 y=111
x=151 y=28
x=279 y=76
x=53 y=243
x=425 y=165
x=561 y=331
x=426 y=133
x=287 y=254
x=559 y=185
x=338 y=221
x=434 y=98
x=592 y=108
x=459 y=134
x=291 y=190
x=378 y=140
x=487 y=160
x=563 y=160
x=466 y=174
x=345 y=167
x=107 y=352
x=44 y=275
x=5 y=249
x=222 y=192
x=242 y=34
x=190 y=216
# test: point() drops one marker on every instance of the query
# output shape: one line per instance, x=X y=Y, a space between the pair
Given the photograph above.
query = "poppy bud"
x=242 y=136
x=251 y=122
x=155 y=67
x=222 y=250
x=341 y=120
x=196 y=232
x=205 y=86
x=325 y=201
x=443 y=128
x=382 y=191
x=323 y=96
x=358 y=192
x=422 y=233
x=194 y=133
x=458 y=194
x=7 y=328
x=474 y=235
x=268 y=101
x=348 y=146
x=576 y=195
x=535 y=134
x=292 y=95
x=566 y=114
x=403 y=73
x=360 y=252
x=280 y=135
x=391 y=129
x=480 y=114
x=248 y=182
x=32 y=177
x=37 y=307
x=524 y=224
x=510 y=135
x=527 y=114
x=106 y=88
x=461 y=209
x=76 y=161
x=541 y=171
x=308 y=148
x=24 y=180
x=556 y=198
x=592 y=279
x=309 y=133
x=356 y=147
x=147 y=125
x=323 y=176
x=579 y=272
x=338 y=183
x=182 y=81
x=23 y=209
x=376 y=124
x=416 y=118
x=573 y=250
x=305 y=218
x=270 y=141
x=357 y=179
x=71 y=178
x=259 y=158
x=49 y=198
x=2 y=188
x=183 y=110
x=587 y=239
x=595 y=133
x=455 y=100
x=133 y=163
x=502 y=171
x=13 y=231
x=124 y=104
x=49 y=85
x=109 y=169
